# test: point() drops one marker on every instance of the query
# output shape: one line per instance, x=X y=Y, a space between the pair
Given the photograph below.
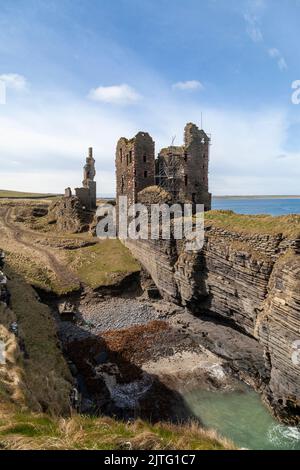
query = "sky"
x=80 y=73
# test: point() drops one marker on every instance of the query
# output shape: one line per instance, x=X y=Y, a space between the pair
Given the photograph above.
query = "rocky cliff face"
x=278 y=329
x=250 y=281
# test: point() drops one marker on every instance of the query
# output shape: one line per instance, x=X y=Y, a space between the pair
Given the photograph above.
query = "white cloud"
x=14 y=81
x=115 y=94
x=255 y=33
x=43 y=147
x=253 y=28
x=245 y=147
x=188 y=85
x=276 y=54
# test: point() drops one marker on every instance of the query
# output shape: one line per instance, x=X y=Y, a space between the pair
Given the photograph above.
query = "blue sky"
x=83 y=73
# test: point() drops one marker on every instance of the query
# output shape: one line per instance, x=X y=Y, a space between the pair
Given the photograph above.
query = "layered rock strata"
x=251 y=281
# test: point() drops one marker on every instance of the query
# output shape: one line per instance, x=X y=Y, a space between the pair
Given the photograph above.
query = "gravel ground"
x=107 y=314
x=116 y=313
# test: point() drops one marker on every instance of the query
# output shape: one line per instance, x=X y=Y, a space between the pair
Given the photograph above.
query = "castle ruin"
x=135 y=165
x=181 y=171
x=87 y=193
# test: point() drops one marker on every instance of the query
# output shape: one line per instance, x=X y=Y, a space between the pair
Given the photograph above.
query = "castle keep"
x=135 y=165
x=181 y=171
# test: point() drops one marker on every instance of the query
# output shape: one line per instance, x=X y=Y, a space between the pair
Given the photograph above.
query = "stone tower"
x=183 y=170
x=89 y=171
x=135 y=165
x=87 y=194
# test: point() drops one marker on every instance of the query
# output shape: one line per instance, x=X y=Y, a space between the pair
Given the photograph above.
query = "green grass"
x=102 y=264
x=30 y=431
x=5 y=193
x=44 y=380
x=38 y=274
x=288 y=225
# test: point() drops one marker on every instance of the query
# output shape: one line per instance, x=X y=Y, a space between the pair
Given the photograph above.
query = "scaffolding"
x=170 y=171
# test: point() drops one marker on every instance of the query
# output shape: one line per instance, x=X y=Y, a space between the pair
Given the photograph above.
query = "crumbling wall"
x=135 y=167
x=184 y=170
x=70 y=215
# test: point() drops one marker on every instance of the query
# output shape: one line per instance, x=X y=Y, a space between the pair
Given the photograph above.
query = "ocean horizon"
x=271 y=205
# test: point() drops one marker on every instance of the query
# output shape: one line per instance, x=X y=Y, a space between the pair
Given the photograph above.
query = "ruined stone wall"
x=189 y=166
x=196 y=144
x=135 y=165
x=70 y=215
x=87 y=194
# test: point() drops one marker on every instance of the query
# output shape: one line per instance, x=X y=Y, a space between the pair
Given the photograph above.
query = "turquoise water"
x=258 y=206
x=241 y=417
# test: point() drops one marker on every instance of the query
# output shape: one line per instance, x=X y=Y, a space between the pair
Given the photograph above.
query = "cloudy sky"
x=82 y=73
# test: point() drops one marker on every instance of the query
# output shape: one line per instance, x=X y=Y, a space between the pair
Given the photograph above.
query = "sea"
x=242 y=417
x=252 y=205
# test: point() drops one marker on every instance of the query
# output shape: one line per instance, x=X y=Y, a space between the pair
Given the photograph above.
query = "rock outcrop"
x=251 y=281
x=70 y=215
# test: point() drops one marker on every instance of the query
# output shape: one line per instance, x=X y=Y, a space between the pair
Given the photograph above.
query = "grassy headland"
x=287 y=225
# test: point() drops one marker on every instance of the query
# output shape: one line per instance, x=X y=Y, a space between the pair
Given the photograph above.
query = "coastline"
x=256 y=197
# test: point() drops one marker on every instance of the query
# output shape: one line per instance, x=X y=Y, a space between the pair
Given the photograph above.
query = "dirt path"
x=26 y=238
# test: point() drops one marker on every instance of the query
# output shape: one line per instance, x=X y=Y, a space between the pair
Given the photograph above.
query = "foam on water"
x=287 y=436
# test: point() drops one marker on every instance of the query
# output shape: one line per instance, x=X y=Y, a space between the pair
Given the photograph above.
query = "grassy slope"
x=36 y=273
x=32 y=431
x=288 y=225
x=41 y=379
x=102 y=264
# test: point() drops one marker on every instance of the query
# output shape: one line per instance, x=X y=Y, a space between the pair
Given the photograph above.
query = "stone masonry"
x=181 y=171
x=87 y=193
x=135 y=165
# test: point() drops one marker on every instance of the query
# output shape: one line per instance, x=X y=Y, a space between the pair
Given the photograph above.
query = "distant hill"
x=4 y=193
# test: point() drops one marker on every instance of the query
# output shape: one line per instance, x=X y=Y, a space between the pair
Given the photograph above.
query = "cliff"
x=248 y=276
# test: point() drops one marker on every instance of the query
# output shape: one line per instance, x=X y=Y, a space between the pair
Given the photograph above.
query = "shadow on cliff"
x=111 y=384
x=203 y=305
